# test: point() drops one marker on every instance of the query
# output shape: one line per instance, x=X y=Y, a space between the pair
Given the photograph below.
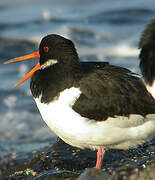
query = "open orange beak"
x=22 y=58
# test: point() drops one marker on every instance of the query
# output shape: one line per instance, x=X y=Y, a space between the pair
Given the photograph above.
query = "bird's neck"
x=47 y=83
x=147 y=64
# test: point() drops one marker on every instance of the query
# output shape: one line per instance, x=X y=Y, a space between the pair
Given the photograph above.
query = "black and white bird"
x=89 y=105
x=147 y=57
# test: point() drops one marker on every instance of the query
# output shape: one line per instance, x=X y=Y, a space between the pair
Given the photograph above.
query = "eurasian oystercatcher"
x=89 y=105
x=147 y=57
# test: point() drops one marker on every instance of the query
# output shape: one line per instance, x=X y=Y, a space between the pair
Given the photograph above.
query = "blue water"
x=101 y=30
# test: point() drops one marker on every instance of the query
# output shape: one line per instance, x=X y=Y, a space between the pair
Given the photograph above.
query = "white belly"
x=78 y=131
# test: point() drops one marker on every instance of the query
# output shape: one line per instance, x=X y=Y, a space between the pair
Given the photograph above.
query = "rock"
x=61 y=161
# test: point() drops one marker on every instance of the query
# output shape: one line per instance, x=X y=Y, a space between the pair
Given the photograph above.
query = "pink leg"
x=100 y=156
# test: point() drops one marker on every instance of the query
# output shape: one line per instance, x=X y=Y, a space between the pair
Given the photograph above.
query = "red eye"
x=46 y=48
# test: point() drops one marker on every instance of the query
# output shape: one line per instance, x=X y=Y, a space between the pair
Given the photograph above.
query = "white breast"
x=119 y=132
x=151 y=89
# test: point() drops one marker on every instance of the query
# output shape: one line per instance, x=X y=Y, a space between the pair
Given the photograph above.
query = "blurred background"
x=101 y=30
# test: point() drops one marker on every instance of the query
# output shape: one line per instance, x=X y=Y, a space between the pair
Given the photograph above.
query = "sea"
x=102 y=30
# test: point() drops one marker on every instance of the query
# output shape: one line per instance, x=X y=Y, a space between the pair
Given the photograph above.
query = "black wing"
x=111 y=91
